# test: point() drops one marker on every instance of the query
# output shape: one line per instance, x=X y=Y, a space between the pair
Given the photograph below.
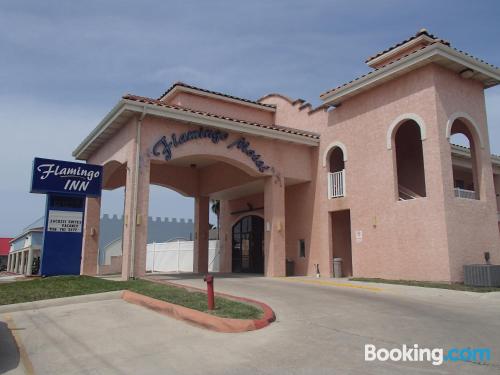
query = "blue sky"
x=64 y=64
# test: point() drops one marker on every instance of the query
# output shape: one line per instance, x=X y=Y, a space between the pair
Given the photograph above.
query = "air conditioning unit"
x=482 y=275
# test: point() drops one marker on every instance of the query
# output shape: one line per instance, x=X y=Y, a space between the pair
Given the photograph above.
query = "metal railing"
x=464 y=193
x=336 y=184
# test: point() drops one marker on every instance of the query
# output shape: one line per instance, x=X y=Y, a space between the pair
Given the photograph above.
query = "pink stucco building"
x=369 y=176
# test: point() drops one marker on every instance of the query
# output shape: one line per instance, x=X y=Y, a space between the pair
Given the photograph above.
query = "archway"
x=410 y=173
x=248 y=245
x=336 y=175
x=466 y=175
x=336 y=160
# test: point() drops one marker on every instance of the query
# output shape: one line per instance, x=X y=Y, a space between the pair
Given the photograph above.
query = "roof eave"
x=25 y=232
x=394 y=51
x=103 y=124
x=416 y=59
x=180 y=88
x=184 y=116
x=464 y=153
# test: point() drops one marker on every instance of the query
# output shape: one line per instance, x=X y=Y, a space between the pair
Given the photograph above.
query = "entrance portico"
x=200 y=152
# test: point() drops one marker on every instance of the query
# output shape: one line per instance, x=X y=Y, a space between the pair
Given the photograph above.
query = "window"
x=302 y=248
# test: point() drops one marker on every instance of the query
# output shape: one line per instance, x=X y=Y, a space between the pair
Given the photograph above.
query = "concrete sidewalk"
x=321 y=328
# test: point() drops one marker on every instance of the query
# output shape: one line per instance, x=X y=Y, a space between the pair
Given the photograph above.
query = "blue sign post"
x=66 y=184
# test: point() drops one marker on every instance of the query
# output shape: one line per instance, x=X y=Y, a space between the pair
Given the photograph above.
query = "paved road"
x=321 y=329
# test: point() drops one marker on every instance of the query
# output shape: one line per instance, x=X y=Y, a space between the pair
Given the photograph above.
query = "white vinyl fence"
x=177 y=256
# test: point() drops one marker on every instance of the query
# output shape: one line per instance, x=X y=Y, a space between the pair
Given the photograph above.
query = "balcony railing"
x=464 y=193
x=336 y=184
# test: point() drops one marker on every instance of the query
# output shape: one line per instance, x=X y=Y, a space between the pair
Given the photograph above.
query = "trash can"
x=290 y=265
x=337 y=267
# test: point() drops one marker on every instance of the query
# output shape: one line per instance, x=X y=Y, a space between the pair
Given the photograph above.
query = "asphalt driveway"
x=322 y=327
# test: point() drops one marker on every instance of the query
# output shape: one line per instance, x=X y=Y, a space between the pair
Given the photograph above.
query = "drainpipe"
x=135 y=184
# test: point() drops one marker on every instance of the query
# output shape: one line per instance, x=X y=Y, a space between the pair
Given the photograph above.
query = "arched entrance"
x=248 y=241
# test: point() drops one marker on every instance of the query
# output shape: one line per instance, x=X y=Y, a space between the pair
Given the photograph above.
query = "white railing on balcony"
x=336 y=184
x=464 y=193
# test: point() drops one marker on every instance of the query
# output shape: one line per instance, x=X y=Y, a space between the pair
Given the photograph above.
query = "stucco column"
x=18 y=262
x=30 y=261
x=135 y=230
x=225 y=240
x=90 y=243
x=274 y=227
x=26 y=253
x=8 y=262
x=201 y=228
x=22 y=262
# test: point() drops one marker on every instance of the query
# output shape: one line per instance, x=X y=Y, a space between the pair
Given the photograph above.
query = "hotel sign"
x=164 y=146
x=64 y=177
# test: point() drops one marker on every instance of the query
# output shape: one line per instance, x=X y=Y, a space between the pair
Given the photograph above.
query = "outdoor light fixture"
x=467 y=73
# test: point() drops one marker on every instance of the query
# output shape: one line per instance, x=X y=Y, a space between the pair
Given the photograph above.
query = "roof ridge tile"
x=284 y=129
x=182 y=84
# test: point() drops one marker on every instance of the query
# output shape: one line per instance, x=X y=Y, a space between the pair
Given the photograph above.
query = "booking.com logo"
x=436 y=356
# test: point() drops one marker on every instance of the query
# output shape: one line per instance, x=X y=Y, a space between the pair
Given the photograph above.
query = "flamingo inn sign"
x=66 y=184
x=55 y=176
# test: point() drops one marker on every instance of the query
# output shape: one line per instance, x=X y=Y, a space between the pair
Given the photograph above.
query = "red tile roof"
x=279 y=128
x=403 y=57
x=419 y=33
x=182 y=84
x=371 y=72
x=4 y=246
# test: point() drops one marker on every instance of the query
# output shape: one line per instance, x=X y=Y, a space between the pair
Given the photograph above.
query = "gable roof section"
x=422 y=35
x=133 y=105
x=181 y=86
x=436 y=52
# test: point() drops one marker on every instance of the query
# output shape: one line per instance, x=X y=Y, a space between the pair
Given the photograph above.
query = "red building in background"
x=4 y=252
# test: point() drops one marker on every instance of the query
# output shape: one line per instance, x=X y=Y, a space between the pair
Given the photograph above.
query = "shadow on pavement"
x=191 y=275
x=9 y=353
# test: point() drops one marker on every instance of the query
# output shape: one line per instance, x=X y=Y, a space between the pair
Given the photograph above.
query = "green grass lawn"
x=428 y=284
x=66 y=286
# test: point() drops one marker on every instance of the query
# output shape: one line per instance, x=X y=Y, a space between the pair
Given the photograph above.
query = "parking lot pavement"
x=320 y=329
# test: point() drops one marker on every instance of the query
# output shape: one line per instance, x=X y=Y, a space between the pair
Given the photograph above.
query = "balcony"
x=464 y=193
x=336 y=184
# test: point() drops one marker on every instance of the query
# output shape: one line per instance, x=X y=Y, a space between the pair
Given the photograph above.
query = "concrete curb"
x=61 y=301
x=195 y=317
x=216 y=323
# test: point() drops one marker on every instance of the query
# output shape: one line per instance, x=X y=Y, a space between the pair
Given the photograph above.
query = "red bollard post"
x=209 y=279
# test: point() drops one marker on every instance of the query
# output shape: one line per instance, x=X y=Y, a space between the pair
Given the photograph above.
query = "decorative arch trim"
x=470 y=121
x=399 y=120
x=329 y=149
x=243 y=215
